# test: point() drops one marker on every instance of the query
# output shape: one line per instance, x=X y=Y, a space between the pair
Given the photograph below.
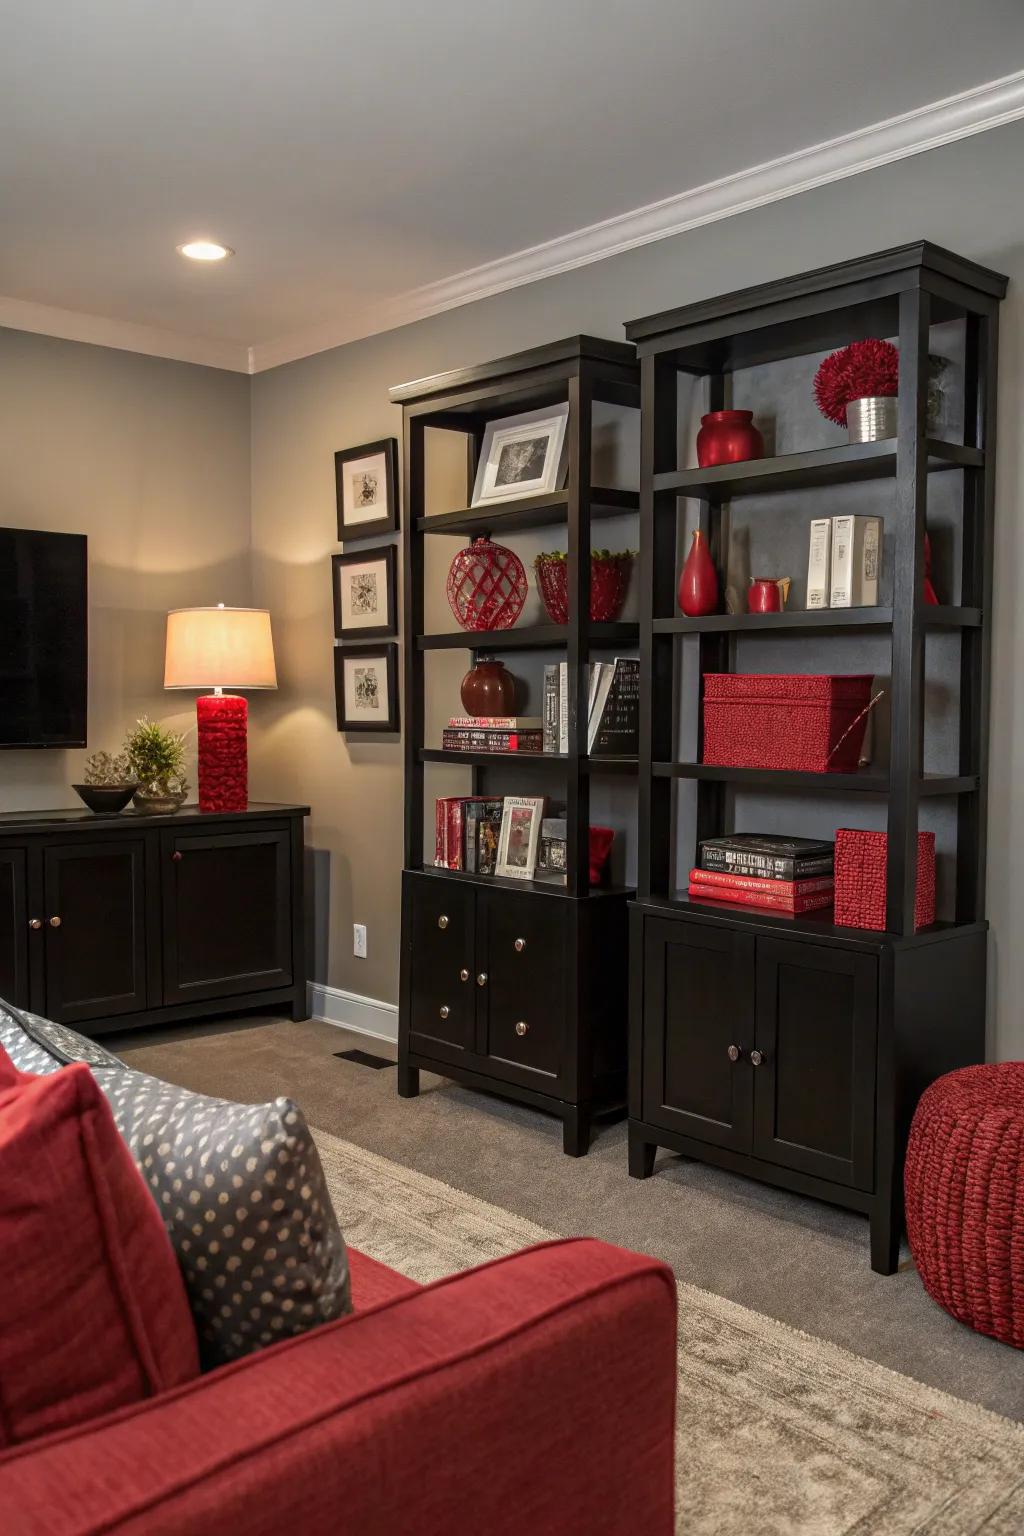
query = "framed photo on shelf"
x=366 y=484
x=364 y=593
x=366 y=687
x=523 y=455
x=520 y=833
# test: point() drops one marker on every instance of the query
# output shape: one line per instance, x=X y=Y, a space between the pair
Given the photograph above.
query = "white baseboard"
x=363 y=1015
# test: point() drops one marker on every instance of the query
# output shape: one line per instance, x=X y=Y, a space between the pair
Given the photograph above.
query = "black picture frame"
x=387 y=449
x=389 y=555
x=386 y=652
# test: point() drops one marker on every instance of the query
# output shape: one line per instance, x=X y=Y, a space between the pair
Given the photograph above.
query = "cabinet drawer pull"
x=758 y=1058
x=54 y=922
x=734 y=1052
x=519 y=946
x=442 y=921
x=521 y=1028
x=463 y=974
x=481 y=979
x=35 y=922
x=176 y=855
x=443 y=1010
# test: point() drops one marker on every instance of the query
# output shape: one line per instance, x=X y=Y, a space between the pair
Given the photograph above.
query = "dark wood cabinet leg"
x=408 y=1079
x=886 y=1230
x=641 y=1155
x=300 y=1007
x=575 y=1130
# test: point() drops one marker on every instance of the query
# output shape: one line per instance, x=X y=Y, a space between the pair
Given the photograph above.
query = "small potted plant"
x=856 y=388
x=609 y=582
x=109 y=782
x=157 y=757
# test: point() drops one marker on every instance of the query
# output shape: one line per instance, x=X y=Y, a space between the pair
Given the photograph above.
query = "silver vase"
x=870 y=418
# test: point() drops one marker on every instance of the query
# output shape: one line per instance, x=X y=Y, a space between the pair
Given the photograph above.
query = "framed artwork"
x=364 y=593
x=366 y=482
x=522 y=455
x=366 y=687
x=520 y=833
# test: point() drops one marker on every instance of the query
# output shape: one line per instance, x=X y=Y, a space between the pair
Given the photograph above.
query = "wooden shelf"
x=535 y=887
x=488 y=759
x=527 y=512
x=866 y=782
x=847 y=463
x=821 y=619
x=817 y=925
x=608 y=764
x=528 y=637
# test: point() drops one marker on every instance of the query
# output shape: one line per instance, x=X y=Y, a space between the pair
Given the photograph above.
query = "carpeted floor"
x=796 y=1260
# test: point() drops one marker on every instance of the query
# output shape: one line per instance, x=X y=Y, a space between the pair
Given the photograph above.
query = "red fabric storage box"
x=861 y=866
x=811 y=723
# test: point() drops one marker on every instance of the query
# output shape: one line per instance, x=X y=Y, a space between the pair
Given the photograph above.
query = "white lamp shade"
x=219 y=648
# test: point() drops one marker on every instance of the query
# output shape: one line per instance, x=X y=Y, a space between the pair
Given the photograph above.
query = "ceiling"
x=354 y=150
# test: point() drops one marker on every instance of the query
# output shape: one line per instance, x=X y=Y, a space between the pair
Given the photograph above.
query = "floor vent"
x=364 y=1059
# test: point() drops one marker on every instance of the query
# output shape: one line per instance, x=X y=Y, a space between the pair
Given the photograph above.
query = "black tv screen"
x=43 y=639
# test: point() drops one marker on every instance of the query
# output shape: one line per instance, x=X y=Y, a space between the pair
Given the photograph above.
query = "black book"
x=779 y=858
x=618 y=730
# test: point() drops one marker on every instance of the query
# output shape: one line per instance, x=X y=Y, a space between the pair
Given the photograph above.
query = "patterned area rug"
x=779 y=1433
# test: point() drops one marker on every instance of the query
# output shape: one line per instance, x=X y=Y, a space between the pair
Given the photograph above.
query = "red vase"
x=698 y=585
x=488 y=689
x=930 y=595
x=726 y=437
x=763 y=595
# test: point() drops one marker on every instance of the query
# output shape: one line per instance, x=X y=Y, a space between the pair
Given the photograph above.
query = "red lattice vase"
x=609 y=583
x=486 y=586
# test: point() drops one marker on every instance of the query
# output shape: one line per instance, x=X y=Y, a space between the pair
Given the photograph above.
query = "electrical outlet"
x=359 y=940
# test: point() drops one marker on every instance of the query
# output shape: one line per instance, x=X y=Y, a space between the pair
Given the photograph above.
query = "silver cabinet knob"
x=521 y=1028
x=519 y=946
x=481 y=979
x=54 y=922
x=35 y=922
x=463 y=974
x=442 y=921
x=758 y=1058
x=734 y=1053
x=443 y=1010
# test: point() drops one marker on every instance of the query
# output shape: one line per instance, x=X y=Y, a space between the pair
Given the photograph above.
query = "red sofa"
x=535 y=1394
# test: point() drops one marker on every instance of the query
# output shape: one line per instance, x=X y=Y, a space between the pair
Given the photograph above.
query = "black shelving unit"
x=787 y=1048
x=518 y=987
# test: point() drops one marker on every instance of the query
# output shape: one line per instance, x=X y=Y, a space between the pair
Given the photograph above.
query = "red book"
x=790 y=904
x=787 y=888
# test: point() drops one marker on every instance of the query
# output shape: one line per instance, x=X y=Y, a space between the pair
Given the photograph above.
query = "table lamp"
x=220 y=648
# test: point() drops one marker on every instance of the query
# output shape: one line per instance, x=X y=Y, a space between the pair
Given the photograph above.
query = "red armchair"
x=534 y=1394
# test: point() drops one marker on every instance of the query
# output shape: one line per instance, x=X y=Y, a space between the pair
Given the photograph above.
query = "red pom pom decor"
x=486 y=586
x=860 y=371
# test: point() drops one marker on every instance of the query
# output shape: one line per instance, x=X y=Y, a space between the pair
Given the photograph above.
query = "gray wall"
x=150 y=459
x=965 y=196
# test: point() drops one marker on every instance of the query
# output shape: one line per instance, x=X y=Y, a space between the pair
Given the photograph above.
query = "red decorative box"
x=812 y=723
x=861 y=865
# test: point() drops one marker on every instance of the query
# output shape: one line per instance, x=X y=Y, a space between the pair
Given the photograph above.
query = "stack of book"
x=613 y=707
x=466 y=829
x=844 y=562
x=780 y=874
x=493 y=733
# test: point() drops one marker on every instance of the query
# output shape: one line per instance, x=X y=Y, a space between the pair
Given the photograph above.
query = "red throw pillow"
x=94 y=1314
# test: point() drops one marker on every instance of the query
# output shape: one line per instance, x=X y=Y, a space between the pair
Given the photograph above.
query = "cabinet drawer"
x=521 y=947
x=442 y=965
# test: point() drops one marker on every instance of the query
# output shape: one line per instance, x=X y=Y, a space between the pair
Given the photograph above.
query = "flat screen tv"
x=43 y=639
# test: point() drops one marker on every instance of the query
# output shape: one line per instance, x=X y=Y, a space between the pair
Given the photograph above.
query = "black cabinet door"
x=94 y=929
x=442 y=968
x=14 y=929
x=698 y=1017
x=814 y=1090
x=226 y=913
x=523 y=1006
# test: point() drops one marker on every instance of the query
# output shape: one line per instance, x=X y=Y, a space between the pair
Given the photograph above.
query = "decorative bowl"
x=110 y=798
x=609 y=581
x=159 y=805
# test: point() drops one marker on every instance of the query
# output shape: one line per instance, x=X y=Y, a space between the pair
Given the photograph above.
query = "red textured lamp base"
x=222 y=719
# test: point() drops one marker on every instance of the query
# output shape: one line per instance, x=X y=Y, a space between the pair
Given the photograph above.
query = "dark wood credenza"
x=111 y=922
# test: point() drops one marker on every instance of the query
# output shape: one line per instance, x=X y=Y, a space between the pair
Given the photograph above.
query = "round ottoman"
x=964 y=1188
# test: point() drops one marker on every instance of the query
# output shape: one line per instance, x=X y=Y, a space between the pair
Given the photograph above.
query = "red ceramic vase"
x=726 y=437
x=763 y=595
x=487 y=689
x=698 y=584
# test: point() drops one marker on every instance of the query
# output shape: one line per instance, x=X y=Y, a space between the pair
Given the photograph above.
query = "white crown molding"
x=347 y=1010
x=957 y=117
x=124 y=335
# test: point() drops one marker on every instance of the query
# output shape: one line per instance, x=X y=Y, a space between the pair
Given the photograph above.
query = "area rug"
x=779 y=1433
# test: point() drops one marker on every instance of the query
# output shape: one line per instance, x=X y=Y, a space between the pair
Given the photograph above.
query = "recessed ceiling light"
x=205 y=250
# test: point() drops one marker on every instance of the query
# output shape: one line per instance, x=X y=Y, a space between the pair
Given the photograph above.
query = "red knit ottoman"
x=964 y=1187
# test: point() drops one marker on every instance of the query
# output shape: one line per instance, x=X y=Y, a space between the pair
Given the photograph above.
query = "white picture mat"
x=514 y=808
x=381 y=614
x=550 y=421
x=353 y=668
x=375 y=464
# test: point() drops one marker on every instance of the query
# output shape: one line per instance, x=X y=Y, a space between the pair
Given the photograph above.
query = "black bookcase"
x=782 y=1047
x=517 y=987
